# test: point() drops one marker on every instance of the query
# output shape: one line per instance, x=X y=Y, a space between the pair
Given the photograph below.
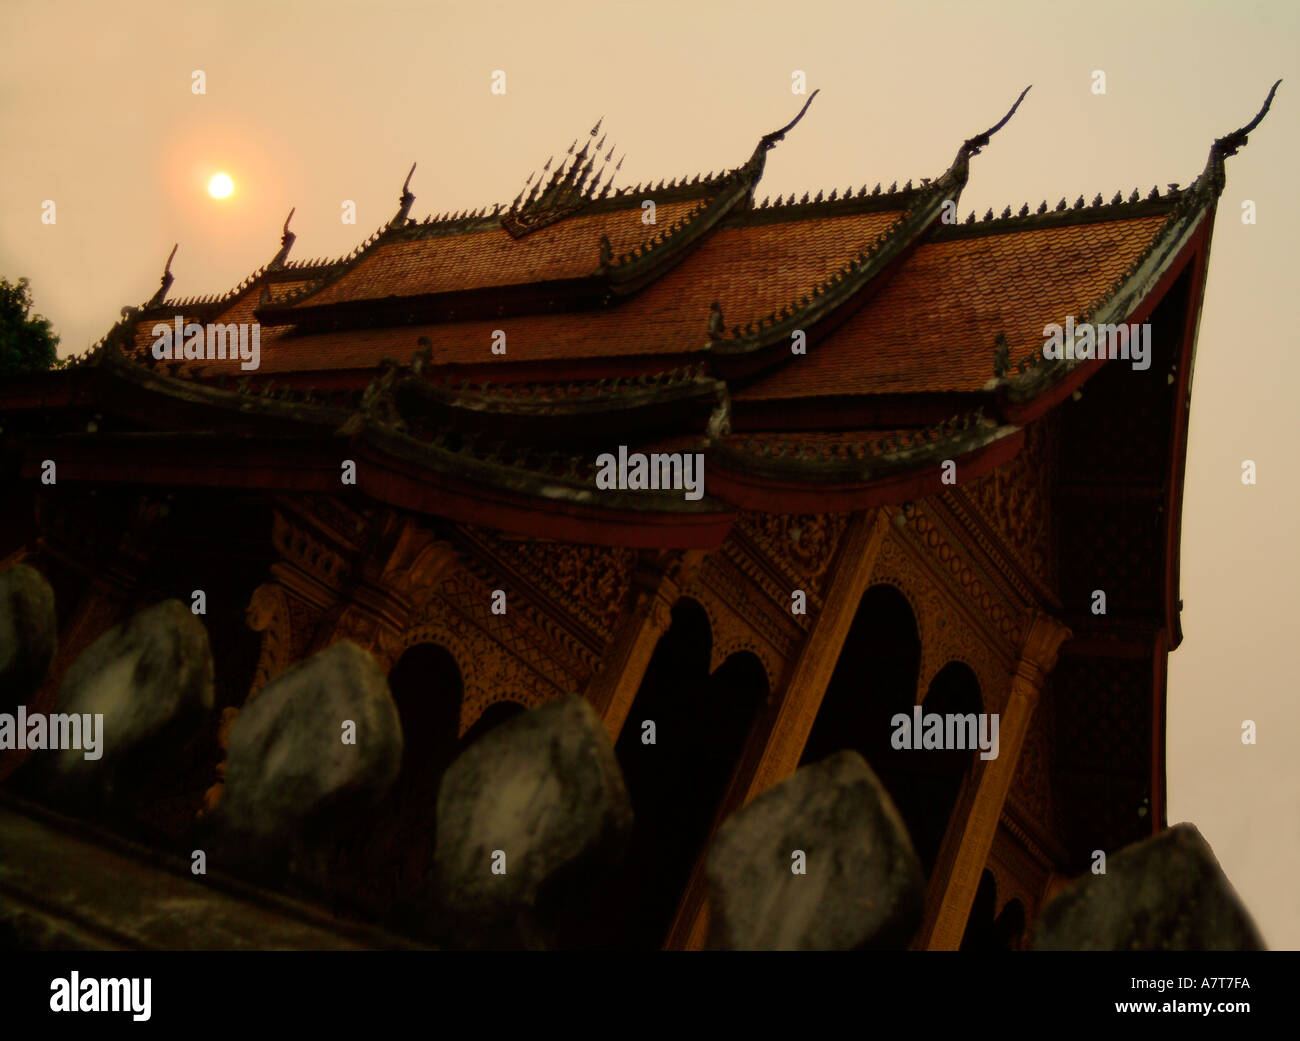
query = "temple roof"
x=914 y=332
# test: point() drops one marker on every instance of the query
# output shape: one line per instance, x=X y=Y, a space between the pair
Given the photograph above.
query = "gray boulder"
x=863 y=885
x=150 y=679
x=28 y=634
x=535 y=795
x=290 y=773
x=1165 y=893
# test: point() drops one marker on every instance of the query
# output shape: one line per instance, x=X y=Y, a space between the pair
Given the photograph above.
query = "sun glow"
x=220 y=186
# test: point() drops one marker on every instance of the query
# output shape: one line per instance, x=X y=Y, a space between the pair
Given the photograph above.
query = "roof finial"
x=287 y=238
x=973 y=145
x=954 y=178
x=405 y=201
x=1229 y=143
x=1214 y=176
x=770 y=140
x=166 y=281
x=753 y=169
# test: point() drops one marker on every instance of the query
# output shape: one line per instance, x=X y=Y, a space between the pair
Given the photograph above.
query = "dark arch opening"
x=874 y=679
x=701 y=723
x=1009 y=929
x=930 y=780
x=427 y=689
x=979 y=934
x=399 y=847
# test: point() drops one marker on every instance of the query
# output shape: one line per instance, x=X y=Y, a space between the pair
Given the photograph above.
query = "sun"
x=220 y=186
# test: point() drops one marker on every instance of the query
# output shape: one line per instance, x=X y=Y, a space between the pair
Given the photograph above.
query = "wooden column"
x=656 y=585
x=859 y=547
x=945 y=925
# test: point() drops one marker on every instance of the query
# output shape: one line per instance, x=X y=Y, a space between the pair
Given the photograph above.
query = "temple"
x=904 y=500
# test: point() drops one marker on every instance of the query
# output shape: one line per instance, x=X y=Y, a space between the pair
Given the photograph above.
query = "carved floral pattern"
x=587 y=581
x=801 y=546
x=1016 y=500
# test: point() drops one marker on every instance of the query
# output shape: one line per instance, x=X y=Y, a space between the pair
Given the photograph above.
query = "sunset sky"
x=311 y=104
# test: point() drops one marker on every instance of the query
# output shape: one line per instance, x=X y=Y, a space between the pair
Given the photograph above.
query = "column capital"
x=1043 y=638
x=662 y=577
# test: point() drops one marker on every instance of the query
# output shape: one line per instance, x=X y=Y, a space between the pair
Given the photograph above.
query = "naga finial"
x=287 y=238
x=973 y=145
x=165 y=283
x=954 y=178
x=1229 y=143
x=405 y=201
x=770 y=140
x=1214 y=177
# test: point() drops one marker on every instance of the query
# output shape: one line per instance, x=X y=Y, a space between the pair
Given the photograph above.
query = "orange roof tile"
x=472 y=260
x=933 y=325
x=750 y=271
x=238 y=310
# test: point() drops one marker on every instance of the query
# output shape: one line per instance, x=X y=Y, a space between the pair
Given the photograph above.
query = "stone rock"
x=864 y=886
x=290 y=775
x=544 y=789
x=151 y=680
x=1165 y=893
x=28 y=634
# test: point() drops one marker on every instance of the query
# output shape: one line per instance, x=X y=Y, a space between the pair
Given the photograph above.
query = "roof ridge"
x=542 y=389
x=1134 y=206
x=849 y=459
x=849 y=195
x=851 y=202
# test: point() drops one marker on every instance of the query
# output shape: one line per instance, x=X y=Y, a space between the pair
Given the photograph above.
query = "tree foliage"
x=27 y=341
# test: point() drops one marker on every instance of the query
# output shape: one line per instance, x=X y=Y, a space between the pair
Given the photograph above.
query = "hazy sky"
x=311 y=104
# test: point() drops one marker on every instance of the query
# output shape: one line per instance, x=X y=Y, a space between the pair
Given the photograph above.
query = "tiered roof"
x=921 y=339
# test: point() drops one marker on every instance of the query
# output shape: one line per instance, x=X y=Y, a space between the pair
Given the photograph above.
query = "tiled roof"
x=238 y=310
x=932 y=327
x=492 y=257
x=748 y=270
